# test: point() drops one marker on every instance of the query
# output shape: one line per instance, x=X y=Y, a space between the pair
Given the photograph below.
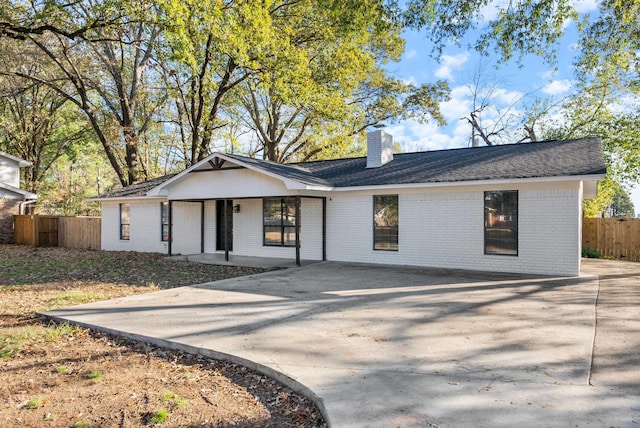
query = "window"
x=279 y=221
x=164 y=221
x=124 y=221
x=501 y=222
x=385 y=222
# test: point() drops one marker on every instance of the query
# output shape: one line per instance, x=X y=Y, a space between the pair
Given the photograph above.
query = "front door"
x=224 y=218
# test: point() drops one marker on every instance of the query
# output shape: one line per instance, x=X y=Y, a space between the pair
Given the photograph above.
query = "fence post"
x=36 y=230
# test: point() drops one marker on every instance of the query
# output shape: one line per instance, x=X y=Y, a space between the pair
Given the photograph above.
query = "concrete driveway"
x=401 y=347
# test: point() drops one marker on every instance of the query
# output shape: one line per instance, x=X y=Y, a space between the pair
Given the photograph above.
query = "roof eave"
x=24 y=193
x=21 y=162
x=589 y=177
x=127 y=198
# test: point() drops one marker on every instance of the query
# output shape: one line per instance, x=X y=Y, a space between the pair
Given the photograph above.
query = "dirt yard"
x=64 y=376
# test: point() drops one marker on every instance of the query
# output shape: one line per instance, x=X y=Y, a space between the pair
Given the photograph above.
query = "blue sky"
x=511 y=87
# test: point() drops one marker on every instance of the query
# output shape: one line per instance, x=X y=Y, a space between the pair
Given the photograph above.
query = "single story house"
x=13 y=199
x=508 y=208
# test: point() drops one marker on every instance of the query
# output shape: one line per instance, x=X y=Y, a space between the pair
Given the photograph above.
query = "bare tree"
x=491 y=121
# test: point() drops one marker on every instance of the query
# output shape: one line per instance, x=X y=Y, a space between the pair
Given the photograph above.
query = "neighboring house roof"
x=23 y=193
x=21 y=162
x=566 y=158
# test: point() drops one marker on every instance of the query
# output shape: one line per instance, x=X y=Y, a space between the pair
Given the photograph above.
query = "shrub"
x=591 y=253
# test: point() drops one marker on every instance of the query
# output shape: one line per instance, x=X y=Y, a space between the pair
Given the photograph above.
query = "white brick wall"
x=187 y=217
x=445 y=228
x=379 y=148
x=145 y=228
x=248 y=233
x=438 y=227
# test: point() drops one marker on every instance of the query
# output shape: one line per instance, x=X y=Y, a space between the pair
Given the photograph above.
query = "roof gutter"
x=23 y=204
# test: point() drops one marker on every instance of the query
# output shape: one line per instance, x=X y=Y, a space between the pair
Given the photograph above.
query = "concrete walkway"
x=401 y=347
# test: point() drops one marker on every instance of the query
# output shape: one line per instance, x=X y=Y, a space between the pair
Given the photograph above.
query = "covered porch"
x=240 y=231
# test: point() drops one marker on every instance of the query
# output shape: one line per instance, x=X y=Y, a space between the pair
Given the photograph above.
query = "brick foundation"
x=8 y=208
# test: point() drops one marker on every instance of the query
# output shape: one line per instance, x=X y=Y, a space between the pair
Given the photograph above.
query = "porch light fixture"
x=236 y=208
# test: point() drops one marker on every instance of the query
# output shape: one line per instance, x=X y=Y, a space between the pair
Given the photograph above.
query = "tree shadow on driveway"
x=393 y=346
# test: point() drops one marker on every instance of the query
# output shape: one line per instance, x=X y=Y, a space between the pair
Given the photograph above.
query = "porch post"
x=226 y=229
x=324 y=229
x=297 y=210
x=170 y=226
x=201 y=227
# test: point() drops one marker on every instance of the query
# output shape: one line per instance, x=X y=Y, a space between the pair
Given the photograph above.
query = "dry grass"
x=65 y=376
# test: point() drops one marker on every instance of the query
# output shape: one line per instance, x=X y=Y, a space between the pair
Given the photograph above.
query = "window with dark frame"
x=501 y=222
x=125 y=211
x=385 y=222
x=279 y=222
x=164 y=221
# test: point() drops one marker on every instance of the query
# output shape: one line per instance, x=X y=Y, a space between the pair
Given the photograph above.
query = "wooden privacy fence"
x=56 y=231
x=613 y=237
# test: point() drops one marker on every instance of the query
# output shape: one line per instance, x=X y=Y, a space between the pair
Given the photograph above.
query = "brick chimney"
x=379 y=148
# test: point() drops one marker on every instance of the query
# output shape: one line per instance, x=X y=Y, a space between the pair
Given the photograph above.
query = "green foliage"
x=313 y=94
x=609 y=46
x=159 y=417
x=621 y=206
x=22 y=19
x=34 y=403
x=13 y=343
x=76 y=176
x=597 y=206
x=593 y=111
x=73 y=298
x=591 y=253
x=174 y=400
x=95 y=375
x=612 y=200
x=520 y=27
x=160 y=82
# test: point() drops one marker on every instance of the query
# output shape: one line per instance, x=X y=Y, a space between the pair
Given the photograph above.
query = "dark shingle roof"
x=509 y=161
x=138 y=189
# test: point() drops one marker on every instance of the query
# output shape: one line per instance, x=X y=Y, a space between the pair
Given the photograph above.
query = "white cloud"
x=489 y=12
x=586 y=6
x=557 y=87
x=411 y=53
x=505 y=96
x=459 y=105
x=414 y=136
x=547 y=74
x=450 y=63
x=411 y=80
